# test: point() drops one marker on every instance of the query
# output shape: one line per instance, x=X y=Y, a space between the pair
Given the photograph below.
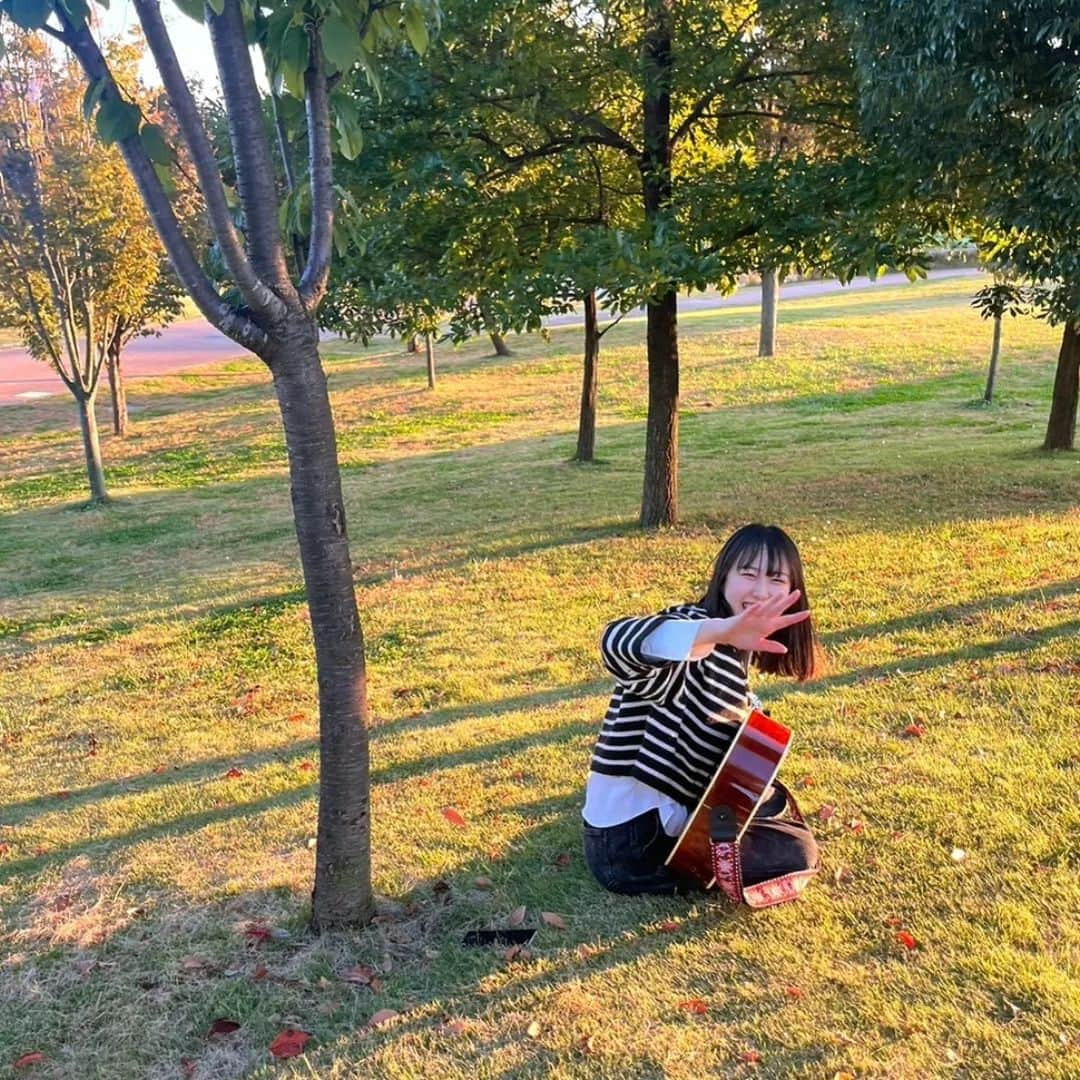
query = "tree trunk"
x=995 y=353
x=429 y=350
x=117 y=390
x=499 y=343
x=586 y=439
x=770 y=295
x=659 y=502
x=1061 y=428
x=95 y=472
x=342 y=895
x=413 y=345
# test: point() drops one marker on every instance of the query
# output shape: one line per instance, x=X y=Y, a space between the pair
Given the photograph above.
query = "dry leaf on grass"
x=362 y=975
x=826 y=812
x=562 y=860
x=234 y=774
x=669 y=926
x=482 y=882
x=289 y=1044
x=453 y=817
x=549 y=918
x=35 y=1057
x=533 y=1030
x=750 y=1057
x=793 y=992
x=382 y=1016
x=695 y=1006
x=907 y=940
x=222 y=1026
x=517 y=916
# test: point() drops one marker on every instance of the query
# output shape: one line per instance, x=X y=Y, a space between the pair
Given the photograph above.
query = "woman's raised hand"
x=748 y=630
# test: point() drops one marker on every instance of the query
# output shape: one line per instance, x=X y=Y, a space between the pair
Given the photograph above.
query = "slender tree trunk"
x=995 y=354
x=117 y=391
x=770 y=296
x=586 y=438
x=499 y=343
x=342 y=895
x=1061 y=428
x=660 y=495
x=429 y=351
x=95 y=472
x=413 y=345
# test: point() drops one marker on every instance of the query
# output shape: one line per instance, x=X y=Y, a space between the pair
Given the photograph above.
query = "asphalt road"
x=193 y=342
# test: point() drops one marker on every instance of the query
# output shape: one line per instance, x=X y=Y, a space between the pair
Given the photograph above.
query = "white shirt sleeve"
x=672 y=641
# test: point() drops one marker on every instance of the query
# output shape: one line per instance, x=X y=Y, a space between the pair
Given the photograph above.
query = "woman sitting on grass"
x=681 y=692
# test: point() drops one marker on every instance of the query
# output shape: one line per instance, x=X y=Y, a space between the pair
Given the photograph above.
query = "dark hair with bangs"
x=742 y=549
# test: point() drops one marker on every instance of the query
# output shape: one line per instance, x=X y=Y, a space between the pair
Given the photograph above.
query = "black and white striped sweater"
x=669 y=722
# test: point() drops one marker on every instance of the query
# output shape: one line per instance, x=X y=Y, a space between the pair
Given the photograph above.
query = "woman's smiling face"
x=752 y=582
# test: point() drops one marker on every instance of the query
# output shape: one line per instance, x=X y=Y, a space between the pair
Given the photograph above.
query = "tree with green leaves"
x=310 y=47
x=980 y=101
x=669 y=97
x=81 y=268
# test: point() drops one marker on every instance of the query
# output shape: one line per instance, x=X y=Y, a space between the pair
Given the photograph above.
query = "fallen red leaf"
x=453 y=817
x=826 y=811
x=259 y=973
x=4 y=849
x=234 y=773
x=856 y=826
x=63 y=794
x=289 y=1044
x=257 y=933
x=306 y=766
x=695 y=1006
x=894 y=921
x=159 y=768
x=36 y=1057
x=669 y=927
x=297 y=718
x=221 y=1027
x=907 y=940
x=806 y=782
x=915 y=731
x=750 y=1057
x=793 y=992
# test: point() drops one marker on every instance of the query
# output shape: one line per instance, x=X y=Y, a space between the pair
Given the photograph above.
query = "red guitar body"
x=741 y=781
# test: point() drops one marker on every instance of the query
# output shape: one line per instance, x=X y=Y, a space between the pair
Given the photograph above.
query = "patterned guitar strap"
x=727 y=865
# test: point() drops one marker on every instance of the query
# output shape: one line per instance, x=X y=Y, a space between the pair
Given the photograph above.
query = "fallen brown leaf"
x=35 y=1057
x=517 y=916
x=222 y=1026
x=549 y=918
x=826 y=811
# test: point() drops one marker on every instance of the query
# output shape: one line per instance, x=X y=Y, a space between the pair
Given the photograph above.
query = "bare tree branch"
x=234 y=324
x=251 y=148
x=320 y=171
x=256 y=294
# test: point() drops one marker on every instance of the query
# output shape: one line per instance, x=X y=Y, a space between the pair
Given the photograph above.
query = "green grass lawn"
x=158 y=746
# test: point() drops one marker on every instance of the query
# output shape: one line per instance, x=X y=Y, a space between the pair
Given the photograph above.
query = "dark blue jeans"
x=629 y=858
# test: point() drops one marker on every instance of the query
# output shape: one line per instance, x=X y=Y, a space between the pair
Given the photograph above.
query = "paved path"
x=193 y=342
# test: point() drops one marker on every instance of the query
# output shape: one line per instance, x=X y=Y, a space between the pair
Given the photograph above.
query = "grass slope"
x=159 y=762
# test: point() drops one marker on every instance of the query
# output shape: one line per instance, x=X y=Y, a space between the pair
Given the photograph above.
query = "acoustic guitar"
x=732 y=797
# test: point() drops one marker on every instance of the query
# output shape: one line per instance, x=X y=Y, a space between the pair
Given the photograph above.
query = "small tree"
x=81 y=267
x=310 y=46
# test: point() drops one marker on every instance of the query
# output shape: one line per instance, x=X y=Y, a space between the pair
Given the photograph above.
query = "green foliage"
x=980 y=102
